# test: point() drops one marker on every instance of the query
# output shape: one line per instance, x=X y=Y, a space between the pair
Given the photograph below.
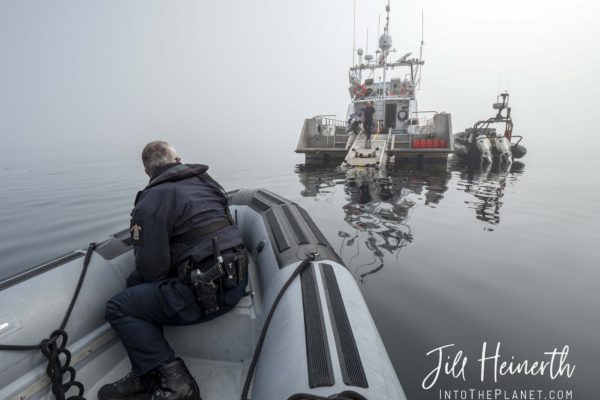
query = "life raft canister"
x=402 y=115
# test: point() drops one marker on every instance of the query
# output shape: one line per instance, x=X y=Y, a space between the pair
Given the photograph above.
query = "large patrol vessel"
x=401 y=130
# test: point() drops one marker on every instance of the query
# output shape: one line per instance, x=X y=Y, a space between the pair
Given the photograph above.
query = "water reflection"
x=377 y=211
x=486 y=186
x=378 y=207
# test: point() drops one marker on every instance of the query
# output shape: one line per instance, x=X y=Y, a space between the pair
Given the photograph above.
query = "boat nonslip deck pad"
x=263 y=200
x=273 y=198
x=259 y=205
x=313 y=227
x=346 y=395
x=276 y=230
x=293 y=232
x=320 y=371
x=118 y=244
x=318 y=354
x=353 y=372
x=300 y=234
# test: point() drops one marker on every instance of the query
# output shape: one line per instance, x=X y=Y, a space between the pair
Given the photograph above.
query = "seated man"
x=190 y=266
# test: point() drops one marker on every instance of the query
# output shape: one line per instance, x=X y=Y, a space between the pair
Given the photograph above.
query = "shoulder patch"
x=136 y=229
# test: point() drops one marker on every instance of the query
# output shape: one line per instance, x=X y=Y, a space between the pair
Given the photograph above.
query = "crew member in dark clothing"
x=368 y=113
x=190 y=267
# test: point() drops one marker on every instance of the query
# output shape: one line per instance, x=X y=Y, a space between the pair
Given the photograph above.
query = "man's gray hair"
x=158 y=154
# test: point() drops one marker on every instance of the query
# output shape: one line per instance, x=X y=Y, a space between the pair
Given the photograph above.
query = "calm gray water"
x=442 y=254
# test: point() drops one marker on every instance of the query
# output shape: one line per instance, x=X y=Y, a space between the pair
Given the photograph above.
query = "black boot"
x=130 y=387
x=176 y=383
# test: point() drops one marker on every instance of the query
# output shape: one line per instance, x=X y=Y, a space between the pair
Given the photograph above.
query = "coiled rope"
x=55 y=346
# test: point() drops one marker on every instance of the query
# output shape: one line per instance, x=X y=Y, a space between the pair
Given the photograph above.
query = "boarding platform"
x=368 y=152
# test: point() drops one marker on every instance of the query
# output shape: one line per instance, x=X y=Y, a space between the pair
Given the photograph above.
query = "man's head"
x=158 y=154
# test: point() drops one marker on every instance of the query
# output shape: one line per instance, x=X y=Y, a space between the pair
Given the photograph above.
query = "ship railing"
x=330 y=120
x=386 y=147
x=378 y=97
x=392 y=95
x=517 y=136
x=424 y=120
x=330 y=127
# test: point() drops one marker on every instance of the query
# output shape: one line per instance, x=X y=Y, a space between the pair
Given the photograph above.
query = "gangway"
x=368 y=153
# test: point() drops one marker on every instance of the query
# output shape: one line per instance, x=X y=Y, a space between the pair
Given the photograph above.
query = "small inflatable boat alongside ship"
x=321 y=340
x=482 y=143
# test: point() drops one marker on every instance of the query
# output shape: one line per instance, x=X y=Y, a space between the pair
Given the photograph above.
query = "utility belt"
x=212 y=276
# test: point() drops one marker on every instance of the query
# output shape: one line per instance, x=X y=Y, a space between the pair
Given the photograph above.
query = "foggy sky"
x=105 y=77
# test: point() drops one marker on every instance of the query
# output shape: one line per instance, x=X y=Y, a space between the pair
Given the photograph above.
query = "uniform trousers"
x=139 y=313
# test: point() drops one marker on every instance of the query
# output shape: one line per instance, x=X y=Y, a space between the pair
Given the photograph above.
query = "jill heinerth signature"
x=554 y=366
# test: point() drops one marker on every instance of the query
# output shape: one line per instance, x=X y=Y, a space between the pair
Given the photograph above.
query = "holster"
x=210 y=277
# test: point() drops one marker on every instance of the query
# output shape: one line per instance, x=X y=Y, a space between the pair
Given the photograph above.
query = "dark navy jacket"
x=368 y=113
x=179 y=198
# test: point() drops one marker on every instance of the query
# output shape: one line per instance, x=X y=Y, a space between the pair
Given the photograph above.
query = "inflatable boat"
x=302 y=332
x=482 y=143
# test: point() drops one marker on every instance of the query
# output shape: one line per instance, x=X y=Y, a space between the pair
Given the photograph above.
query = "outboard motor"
x=484 y=146
x=502 y=146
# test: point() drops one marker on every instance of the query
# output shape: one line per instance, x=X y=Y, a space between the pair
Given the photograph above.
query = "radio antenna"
x=354 y=34
x=387 y=17
x=421 y=49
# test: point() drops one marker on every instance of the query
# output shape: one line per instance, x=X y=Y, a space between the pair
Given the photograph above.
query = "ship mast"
x=420 y=66
x=385 y=43
x=354 y=34
x=381 y=62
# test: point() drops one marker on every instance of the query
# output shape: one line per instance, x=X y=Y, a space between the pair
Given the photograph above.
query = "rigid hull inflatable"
x=321 y=340
x=482 y=143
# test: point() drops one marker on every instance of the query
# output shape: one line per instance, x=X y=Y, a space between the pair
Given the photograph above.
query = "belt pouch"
x=206 y=293
x=230 y=279
x=241 y=260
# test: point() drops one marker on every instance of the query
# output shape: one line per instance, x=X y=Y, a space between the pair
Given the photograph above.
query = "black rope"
x=54 y=348
x=305 y=263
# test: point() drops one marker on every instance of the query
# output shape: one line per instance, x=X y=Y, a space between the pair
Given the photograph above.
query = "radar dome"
x=385 y=42
x=359 y=52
